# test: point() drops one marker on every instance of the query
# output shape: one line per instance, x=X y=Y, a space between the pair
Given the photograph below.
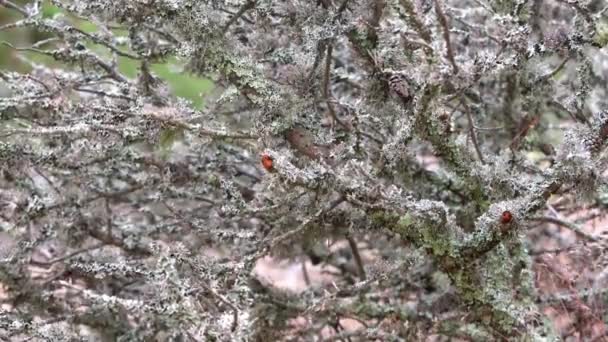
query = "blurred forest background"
x=182 y=84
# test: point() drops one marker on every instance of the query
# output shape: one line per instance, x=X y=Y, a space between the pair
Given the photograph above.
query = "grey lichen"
x=392 y=144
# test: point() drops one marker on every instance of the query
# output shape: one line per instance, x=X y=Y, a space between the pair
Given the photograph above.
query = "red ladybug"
x=506 y=217
x=267 y=162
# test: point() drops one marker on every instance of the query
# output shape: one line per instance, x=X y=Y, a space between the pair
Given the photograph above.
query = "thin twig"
x=409 y=41
x=443 y=21
x=357 y=256
x=554 y=72
x=342 y=8
x=83 y=56
x=48 y=180
x=71 y=255
x=108 y=209
x=317 y=61
x=472 y=132
x=103 y=93
x=44 y=42
x=246 y=6
x=97 y=40
x=305 y=273
x=327 y=89
x=195 y=128
x=552 y=251
x=497 y=128
x=235 y=310
x=226 y=301
x=98 y=195
x=78 y=128
x=525 y=126
x=581 y=9
x=245 y=19
x=269 y=244
x=569 y=225
x=418 y=25
x=14 y=6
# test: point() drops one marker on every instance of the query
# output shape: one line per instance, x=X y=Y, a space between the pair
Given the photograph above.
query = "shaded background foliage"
x=440 y=163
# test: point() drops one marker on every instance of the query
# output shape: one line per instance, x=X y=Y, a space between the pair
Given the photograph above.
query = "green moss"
x=360 y=40
x=370 y=309
x=439 y=244
x=49 y=10
x=601 y=34
x=213 y=180
x=168 y=137
x=463 y=280
x=503 y=6
x=405 y=222
x=384 y=219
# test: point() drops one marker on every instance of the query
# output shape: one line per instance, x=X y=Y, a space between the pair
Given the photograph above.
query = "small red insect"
x=267 y=162
x=506 y=217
